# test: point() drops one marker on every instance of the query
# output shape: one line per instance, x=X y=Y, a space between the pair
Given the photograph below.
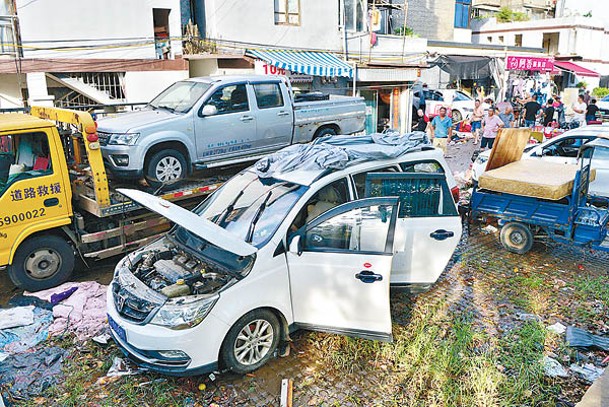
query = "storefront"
x=528 y=76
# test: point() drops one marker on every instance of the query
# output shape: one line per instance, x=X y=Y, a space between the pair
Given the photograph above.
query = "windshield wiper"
x=228 y=209
x=170 y=109
x=256 y=218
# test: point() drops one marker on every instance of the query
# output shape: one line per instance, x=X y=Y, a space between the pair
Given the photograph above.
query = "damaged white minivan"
x=311 y=237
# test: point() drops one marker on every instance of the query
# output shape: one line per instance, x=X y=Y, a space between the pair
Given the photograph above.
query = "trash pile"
x=27 y=370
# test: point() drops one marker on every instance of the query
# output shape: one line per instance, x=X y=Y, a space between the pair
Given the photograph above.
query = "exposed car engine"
x=175 y=273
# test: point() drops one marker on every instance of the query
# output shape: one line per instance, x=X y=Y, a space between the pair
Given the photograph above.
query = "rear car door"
x=339 y=267
x=428 y=228
x=231 y=130
x=274 y=114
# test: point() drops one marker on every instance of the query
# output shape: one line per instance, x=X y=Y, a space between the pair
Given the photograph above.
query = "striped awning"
x=305 y=62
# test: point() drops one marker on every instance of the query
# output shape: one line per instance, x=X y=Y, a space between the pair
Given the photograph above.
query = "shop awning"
x=305 y=62
x=576 y=69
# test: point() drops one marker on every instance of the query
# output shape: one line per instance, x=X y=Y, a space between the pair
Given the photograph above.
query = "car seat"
x=328 y=199
x=238 y=99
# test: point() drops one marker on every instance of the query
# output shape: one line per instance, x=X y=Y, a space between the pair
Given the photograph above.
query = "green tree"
x=506 y=15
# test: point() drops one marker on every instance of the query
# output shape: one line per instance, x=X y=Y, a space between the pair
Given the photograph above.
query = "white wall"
x=10 y=96
x=566 y=8
x=144 y=86
x=253 y=21
x=94 y=23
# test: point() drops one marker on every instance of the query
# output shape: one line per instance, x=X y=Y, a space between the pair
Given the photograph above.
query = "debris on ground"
x=16 y=317
x=553 y=368
x=102 y=339
x=29 y=374
x=81 y=308
x=489 y=229
x=587 y=372
x=580 y=339
x=120 y=367
x=557 y=328
x=23 y=338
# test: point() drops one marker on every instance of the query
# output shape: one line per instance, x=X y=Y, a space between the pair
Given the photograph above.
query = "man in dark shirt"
x=530 y=111
x=421 y=121
x=548 y=113
x=591 y=111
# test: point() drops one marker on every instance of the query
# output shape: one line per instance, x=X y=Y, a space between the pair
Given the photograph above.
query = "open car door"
x=428 y=227
x=340 y=266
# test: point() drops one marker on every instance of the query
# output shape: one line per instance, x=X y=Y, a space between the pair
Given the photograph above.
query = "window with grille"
x=287 y=12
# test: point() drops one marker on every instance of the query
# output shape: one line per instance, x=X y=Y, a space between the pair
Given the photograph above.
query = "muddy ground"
x=477 y=338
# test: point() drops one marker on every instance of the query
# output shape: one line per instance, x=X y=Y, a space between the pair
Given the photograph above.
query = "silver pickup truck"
x=216 y=121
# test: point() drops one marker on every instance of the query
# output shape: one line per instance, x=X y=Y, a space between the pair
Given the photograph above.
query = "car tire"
x=241 y=356
x=325 y=131
x=42 y=262
x=516 y=237
x=166 y=167
x=457 y=116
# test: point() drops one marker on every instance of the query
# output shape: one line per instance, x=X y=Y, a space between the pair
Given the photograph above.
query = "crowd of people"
x=488 y=117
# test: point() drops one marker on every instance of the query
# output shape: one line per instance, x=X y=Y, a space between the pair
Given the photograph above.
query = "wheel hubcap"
x=517 y=238
x=254 y=342
x=168 y=169
x=42 y=263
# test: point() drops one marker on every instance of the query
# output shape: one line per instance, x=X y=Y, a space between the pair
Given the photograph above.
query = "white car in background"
x=603 y=105
x=564 y=149
x=459 y=104
x=262 y=257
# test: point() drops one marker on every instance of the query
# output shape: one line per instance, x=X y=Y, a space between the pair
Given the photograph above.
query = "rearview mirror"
x=209 y=110
x=295 y=246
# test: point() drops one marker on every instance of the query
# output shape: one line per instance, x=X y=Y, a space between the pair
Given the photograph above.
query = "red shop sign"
x=514 y=63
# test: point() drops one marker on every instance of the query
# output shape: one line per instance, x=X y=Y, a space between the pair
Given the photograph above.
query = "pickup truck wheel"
x=326 y=131
x=516 y=237
x=166 y=167
x=42 y=262
x=251 y=342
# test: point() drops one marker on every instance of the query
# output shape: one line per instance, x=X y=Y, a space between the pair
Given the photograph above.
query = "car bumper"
x=142 y=343
x=124 y=161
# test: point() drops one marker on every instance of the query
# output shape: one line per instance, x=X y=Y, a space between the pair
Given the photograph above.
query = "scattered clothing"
x=83 y=312
x=30 y=374
x=16 y=317
x=23 y=338
x=58 y=297
x=580 y=339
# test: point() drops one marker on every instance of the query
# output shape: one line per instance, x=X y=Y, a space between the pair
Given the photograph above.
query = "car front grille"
x=129 y=306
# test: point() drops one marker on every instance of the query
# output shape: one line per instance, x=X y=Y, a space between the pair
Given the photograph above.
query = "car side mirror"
x=209 y=110
x=295 y=245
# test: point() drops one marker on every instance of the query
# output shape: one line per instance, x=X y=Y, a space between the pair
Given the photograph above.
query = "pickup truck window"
x=180 y=97
x=23 y=156
x=268 y=95
x=230 y=99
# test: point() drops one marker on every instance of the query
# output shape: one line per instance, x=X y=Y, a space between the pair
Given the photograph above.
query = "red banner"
x=514 y=63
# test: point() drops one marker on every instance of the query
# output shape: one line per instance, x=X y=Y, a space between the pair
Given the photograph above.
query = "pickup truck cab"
x=309 y=248
x=216 y=121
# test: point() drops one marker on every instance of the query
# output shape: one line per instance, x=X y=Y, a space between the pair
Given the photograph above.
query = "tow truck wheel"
x=42 y=262
x=516 y=237
x=166 y=167
x=251 y=342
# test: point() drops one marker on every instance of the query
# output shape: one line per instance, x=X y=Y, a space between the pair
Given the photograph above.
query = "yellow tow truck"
x=56 y=202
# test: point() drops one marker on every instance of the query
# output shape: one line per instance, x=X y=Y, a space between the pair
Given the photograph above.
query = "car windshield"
x=251 y=208
x=180 y=97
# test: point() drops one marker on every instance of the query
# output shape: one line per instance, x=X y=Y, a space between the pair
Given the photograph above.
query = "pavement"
x=598 y=394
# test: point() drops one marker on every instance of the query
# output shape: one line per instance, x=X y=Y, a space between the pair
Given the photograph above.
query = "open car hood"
x=192 y=222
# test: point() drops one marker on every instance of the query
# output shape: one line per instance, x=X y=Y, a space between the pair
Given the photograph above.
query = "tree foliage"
x=507 y=15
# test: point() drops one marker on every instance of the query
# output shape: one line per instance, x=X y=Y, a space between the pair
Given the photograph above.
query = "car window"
x=268 y=95
x=328 y=197
x=430 y=166
x=24 y=156
x=436 y=96
x=230 y=99
x=360 y=179
x=567 y=147
x=460 y=97
x=358 y=230
x=421 y=195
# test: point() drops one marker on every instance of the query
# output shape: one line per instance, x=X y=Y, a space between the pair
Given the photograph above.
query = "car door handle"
x=368 y=276
x=51 y=202
x=283 y=113
x=441 y=234
x=246 y=118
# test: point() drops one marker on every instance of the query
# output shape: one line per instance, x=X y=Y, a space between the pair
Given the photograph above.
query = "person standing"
x=477 y=116
x=587 y=97
x=422 y=121
x=506 y=114
x=548 y=113
x=559 y=107
x=531 y=110
x=579 y=107
x=591 y=111
x=490 y=126
x=423 y=97
x=441 y=130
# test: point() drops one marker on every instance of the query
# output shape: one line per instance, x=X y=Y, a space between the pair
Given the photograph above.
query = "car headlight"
x=126 y=139
x=481 y=159
x=184 y=314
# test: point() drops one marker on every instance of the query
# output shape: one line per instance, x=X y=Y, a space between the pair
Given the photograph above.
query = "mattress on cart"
x=532 y=177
